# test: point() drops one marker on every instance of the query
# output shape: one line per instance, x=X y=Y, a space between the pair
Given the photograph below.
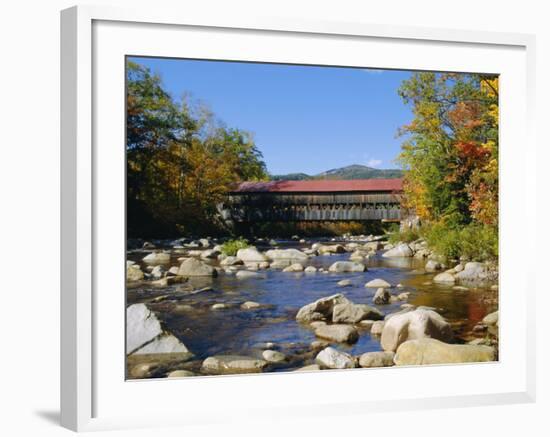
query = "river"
x=232 y=330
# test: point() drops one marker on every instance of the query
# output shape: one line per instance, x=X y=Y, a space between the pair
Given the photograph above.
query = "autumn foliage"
x=180 y=160
x=450 y=150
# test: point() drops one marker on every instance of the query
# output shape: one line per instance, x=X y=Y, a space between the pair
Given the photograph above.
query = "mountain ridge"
x=353 y=171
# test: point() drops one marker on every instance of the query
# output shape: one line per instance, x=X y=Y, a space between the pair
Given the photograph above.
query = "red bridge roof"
x=321 y=186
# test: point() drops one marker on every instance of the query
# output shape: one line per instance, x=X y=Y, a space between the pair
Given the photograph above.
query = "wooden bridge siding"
x=253 y=207
x=313 y=199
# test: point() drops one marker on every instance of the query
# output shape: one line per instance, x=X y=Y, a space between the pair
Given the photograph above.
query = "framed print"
x=285 y=218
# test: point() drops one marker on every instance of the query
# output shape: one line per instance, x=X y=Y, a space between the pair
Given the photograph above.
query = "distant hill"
x=354 y=171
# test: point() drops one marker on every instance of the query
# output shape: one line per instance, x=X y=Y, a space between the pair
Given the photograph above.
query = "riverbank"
x=216 y=313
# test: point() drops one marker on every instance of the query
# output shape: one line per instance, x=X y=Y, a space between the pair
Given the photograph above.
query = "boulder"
x=279 y=264
x=296 y=267
x=378 y=283
x=432 y=266
x=321 y=309
x=272 y=356
x=473 y=272
x=346 y=266
x=377 y=327
x=354 y=313
x=381 y=297
x=334 y=359
x=376 y=359
x=163 y=344
x=310 y=269
x=294 y=255
x=157 y=258
x=195 y=267
x=133 y=273
x=210 y=254
x=344 y=283
x=338 y=333
x=251 y=254
x=244 y=274
x=263 y=265
x=231 y=261
x=444 y=278
x=491 y=319
x=413 y=325
x=402 y=250
x=431 y=351
x=334 y=248
x=227 y=364
x=142 y=326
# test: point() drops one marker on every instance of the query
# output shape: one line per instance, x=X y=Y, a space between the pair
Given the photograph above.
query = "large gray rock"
x=378 y=283
x=337 y=333
x=354 y=313
x=473 y=272
x=251 y=254
x=402 y=250
x=164 y=344
x=279 y=264
x=227 y=364
x=195 y=267
x=347 y=266
x=334 y=359
x=321 y=309
x=376 y=359
x=142 y=326
x=294 y=255
x=157 y=258
x=431 y=351
x=414 y=325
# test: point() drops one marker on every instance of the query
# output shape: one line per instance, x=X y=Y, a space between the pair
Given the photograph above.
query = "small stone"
x=310 y=368
x=244 y=274
x=491 y=319
x=218 y=306
x=381 y=297
x=376 y=359
x=249 y=305
x=334 y=359
x=310 y=269
x=272 y=356
x=377 y=283
x=143 y=370
x=344 y=283
x=180 y=374
x=338 y=333
x=444 y=278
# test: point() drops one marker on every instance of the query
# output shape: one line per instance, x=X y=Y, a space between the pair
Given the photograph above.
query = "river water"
x=208 y=332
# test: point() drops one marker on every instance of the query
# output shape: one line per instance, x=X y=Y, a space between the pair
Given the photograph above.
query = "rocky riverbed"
x=303 y=305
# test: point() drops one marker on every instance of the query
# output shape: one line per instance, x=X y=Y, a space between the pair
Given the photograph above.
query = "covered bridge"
x=314 y=200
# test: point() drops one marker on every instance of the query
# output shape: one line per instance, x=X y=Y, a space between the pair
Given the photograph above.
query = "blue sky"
x=304 y=118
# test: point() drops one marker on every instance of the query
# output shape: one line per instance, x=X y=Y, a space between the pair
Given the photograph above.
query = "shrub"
x=231 y=247
x=474 y=241
x=395 y=236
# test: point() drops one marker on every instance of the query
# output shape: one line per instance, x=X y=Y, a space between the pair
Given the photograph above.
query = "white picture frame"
x=92 y=42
